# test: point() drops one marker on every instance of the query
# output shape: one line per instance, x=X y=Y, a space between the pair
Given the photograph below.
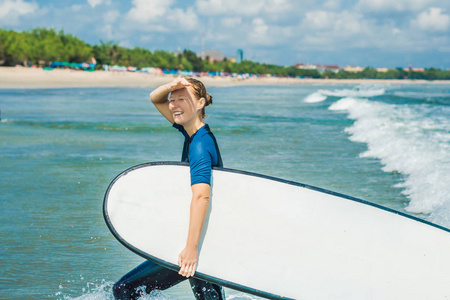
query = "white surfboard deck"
x=279 y=239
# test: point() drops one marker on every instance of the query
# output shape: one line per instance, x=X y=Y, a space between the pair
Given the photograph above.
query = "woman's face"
x=184 y=106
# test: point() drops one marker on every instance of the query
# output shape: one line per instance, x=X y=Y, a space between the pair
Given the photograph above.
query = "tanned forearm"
x=199 y=208
x=187 y=260
x=159 y=95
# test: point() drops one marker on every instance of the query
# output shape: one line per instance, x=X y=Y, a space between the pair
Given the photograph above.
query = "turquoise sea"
x=60 y=148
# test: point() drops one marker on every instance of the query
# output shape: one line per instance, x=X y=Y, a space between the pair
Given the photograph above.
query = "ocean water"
x=60 y=148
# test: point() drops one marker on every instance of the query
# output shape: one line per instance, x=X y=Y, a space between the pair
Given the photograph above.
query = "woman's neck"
x=194 y=127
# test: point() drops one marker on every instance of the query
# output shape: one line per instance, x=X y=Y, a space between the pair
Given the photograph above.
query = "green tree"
x=101 y=53
x=430 y=74
x=17 y=50
x=163 y=59
x=369 y=73
x=195 y=62
x=3 y=37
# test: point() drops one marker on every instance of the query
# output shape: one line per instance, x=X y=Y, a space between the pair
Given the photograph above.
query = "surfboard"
x=280 y=239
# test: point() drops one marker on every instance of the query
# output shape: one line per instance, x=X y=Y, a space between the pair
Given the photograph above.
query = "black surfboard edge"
x=219 y=281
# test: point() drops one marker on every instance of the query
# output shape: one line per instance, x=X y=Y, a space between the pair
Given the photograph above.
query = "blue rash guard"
x=201 y=152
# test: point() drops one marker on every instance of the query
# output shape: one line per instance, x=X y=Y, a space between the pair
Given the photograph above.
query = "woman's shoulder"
x=204 y=146
x=203 y=140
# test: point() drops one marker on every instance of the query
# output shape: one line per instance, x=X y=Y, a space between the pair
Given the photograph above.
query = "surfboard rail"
x=226 y=283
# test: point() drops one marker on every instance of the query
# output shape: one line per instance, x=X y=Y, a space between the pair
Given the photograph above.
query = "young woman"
x=185 y=109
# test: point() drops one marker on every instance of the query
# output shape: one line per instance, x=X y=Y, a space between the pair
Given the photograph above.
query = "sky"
x=366 y=33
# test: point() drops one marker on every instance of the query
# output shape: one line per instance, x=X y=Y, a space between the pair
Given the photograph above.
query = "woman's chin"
x=178 y=121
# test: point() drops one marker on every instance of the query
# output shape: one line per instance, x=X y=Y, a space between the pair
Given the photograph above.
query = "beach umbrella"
x=56 y=64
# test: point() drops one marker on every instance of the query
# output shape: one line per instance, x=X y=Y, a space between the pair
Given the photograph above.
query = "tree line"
x=40 y=46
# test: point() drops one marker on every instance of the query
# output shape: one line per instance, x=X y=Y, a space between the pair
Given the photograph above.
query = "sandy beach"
x=20 y=78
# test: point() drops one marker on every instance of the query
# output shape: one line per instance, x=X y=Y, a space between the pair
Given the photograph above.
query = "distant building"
x=213 y=55
x=411 y=69
x=333 y=68
x=353 y=69
x=305 y=66
x=382 y=70
x=239 y=55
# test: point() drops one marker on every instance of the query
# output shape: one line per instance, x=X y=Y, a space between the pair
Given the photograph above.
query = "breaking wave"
x=410 y=139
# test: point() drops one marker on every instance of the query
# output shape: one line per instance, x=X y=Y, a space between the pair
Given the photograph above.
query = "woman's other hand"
x=178 y=83
x=187 y=260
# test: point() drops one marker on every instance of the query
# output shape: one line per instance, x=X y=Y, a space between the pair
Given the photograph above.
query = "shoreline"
x=34 y=78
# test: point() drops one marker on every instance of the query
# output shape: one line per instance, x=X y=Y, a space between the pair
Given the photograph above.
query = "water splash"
x=91 y=291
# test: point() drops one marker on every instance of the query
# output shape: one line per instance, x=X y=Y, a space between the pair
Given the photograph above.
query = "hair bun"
x=208 y=99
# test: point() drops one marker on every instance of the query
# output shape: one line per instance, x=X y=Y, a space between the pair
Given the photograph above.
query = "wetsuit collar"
x=204 y=127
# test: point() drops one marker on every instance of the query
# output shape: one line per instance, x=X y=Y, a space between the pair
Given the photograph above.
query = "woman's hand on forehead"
x=179 y=83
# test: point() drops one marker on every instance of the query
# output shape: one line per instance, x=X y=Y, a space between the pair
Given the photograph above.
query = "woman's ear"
x=200 y=103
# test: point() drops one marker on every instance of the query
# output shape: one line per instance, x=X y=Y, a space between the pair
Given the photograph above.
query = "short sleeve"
x=200 y=161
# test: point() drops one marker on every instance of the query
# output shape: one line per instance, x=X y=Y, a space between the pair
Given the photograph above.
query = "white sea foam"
x=315 y=97
x=360 y=91
x=412 y=140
